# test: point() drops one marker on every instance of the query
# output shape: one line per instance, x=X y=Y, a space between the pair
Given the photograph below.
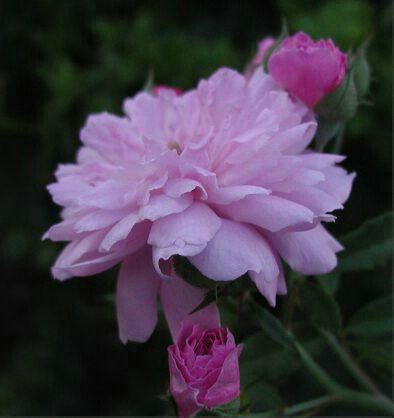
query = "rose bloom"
x=204 y=369
x=220 y=175
x=310 y=70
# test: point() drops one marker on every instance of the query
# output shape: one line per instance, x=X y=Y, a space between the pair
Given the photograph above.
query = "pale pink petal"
x=226 y=195
x=186 y=233
x=338 y=183
x=136 y=297
x=179 y=299
x=160 y=206
x=119 y=231
x=80 y=258
x=309 y=252
x=269 y=212
x=295 y=139
x=235 y=249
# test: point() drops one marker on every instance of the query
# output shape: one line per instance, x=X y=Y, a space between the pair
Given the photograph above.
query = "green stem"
x=339 y=140
x=319 y=374
x=295 y=409
x=347 y=360
x=377 y=402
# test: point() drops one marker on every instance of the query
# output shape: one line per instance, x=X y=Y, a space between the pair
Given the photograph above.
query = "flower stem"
x=347 y=360
x=295 y=409
x=339 y=140
x=376 y=402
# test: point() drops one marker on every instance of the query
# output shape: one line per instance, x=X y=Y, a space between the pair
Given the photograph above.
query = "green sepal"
x=362 y=72
x=210 y=296
x=326 y=131
x=230 y=409
x=284 y=33
x=342 y=103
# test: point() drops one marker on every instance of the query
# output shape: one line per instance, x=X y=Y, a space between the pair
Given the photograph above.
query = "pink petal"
x=178 y=299
x=338 y=183
x=235 y=249
x=227 y=386
x=185 y=396
x=309 y=252
x=226 y=195
x=121 y=230
x=161 y=205
x=269 y=212
x=136 y=294
x=81 y=258
x=295 y=139
x=185 y=233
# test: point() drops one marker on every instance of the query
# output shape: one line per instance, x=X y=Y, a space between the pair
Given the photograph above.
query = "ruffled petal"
x=185 y=233
x=269 y=212
x=309 y=252
x=235 y=250
x=184 y=395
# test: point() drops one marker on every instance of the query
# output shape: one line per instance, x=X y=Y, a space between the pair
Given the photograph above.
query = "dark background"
x=60 y=61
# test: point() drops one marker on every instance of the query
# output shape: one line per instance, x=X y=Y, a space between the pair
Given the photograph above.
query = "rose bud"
x=309 y=70
x=263 y=46
x=160 y=88
x=204 y=370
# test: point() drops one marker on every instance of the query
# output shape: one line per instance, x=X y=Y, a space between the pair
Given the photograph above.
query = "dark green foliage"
x=320 y=306
x=369 y=246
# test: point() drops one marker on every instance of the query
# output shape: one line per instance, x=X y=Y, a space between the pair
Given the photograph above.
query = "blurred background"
x=62 y=60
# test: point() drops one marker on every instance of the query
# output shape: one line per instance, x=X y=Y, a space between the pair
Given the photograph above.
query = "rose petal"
x=179 y=298
x=235 y=249
x=309 y=252
x=136 y=294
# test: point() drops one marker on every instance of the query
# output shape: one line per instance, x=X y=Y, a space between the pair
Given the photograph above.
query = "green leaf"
x=320 y=306
x=275 y=329
x=264 y=359
x=230 y=409
x=329 y=282
x=342 y=103
x=264 y=396
x=373 y=319
x=376 y=353
x=369 y=246
x=191 y=274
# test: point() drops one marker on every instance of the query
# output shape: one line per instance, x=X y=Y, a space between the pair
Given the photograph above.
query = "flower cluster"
x=223 y=175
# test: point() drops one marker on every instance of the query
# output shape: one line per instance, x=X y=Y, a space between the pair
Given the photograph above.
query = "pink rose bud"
x=310 y=70
x=263 y=46
x=204 y=370
x=159 y=88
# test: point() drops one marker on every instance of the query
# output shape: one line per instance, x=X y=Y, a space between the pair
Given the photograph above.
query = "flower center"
x=174 y=145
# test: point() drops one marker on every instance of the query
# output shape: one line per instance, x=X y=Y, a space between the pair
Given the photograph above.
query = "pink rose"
x=310 y=70
x=160 y=88
x=204 y=370
x=263 y=46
